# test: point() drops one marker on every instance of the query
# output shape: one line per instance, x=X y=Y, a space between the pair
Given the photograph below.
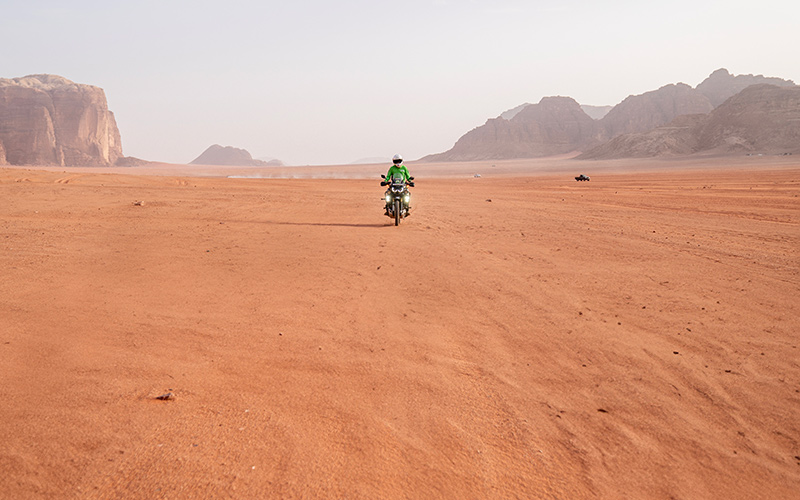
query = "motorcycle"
x=397 y=197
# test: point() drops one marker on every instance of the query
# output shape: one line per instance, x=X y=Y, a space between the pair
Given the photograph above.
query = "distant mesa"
x=130 y=161
x=272 y=162
x=675 y=119
x=230 y=156
x=49 y=120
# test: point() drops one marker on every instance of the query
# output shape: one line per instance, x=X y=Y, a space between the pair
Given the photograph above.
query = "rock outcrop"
x=511 y=113
x=721 y=85
x=555 y=125
x=271 y=162
x=676 y=138
x=227 y=155
x=594 y=112
x=49 y=120
x=666 y=121
x=760 y=119
x=130 y=161
x=640 y=113
x=558 y=125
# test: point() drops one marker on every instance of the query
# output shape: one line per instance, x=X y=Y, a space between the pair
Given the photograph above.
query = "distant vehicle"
x=582 y=178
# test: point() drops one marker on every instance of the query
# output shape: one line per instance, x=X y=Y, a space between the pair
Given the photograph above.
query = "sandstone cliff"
x=759 y=119
x=721 y=85
x=560 y=125
x=227 y=155
x=675 y=138
x=511 y=113
x=594 y=112
x=640 y=113
x=555 y=125
x=49 y=120
x=651 y=124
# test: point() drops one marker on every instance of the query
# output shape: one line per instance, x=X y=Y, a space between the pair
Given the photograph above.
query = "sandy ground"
x=519 y=336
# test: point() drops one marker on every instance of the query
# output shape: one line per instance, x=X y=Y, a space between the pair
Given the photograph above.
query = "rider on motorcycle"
x=396 y=170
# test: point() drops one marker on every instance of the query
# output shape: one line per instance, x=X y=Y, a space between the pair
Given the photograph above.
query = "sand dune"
x=519 y=336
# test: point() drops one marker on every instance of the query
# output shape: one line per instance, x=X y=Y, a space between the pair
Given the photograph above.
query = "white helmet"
x=397 y=159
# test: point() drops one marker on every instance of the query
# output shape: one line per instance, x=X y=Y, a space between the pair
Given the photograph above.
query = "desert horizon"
x=564 y=164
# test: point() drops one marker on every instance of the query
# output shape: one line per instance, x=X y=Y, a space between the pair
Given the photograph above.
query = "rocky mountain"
x=227 y=155
x=640 y=113
x=555 y=125
x=594 y=112
x=49 y=120
x=721 y=85
x=675 y=138
x=760 y=119
x=271 y=162
x=660 y=122
x=558 y=125
x=511 y=113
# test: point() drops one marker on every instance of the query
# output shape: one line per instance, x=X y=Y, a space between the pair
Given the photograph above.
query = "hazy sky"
x=318 y=82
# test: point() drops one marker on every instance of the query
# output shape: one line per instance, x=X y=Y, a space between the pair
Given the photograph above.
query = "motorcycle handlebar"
x=386 y=183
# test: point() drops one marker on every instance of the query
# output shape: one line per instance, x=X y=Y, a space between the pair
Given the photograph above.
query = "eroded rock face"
x=644 y=112
x=675 y=138
x=555 y=125
x=49 y=120
x=760 y=119
x=721 y=85
x=668 y=121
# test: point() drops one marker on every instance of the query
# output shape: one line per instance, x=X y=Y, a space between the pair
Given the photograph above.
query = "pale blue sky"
x=315 y=82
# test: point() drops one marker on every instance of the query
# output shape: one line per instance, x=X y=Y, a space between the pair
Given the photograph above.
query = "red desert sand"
x=521 y=335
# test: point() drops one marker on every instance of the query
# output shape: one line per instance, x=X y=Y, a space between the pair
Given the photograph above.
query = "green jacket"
x=397 y=170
